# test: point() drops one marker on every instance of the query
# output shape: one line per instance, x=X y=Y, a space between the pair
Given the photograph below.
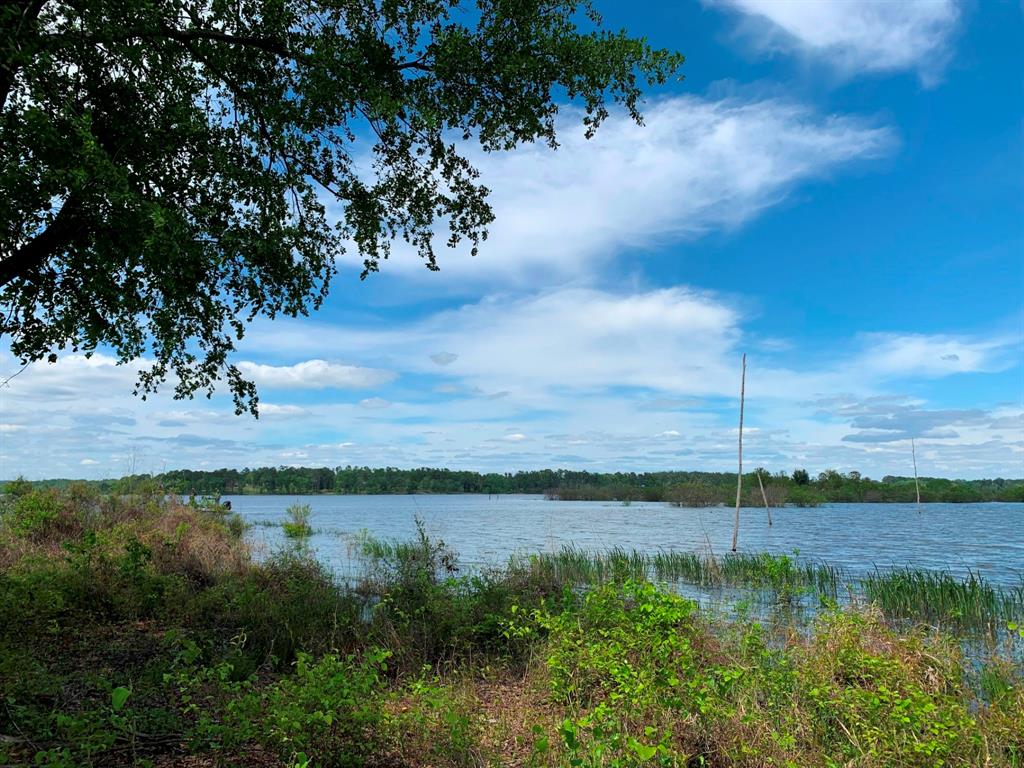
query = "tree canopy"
x=172 y=169
x=689 y=489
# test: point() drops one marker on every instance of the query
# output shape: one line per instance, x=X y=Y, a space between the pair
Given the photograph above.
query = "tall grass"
x=765 y=571
x=906 y=593
x=941 y=598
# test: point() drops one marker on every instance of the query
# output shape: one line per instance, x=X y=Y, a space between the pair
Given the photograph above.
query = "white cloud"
x=88 y=462
x=314 y=374
x=675 y=344
x=274 y=411
x=696 y=165
x=935 y=355
x=673 y=339
x=575 y=417
x=375 y=403
x=855 y=36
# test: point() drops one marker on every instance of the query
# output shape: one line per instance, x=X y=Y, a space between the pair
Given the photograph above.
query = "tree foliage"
x=172 y=169
x=681 y=488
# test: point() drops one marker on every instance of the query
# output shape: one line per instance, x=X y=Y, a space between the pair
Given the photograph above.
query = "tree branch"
x=47 y=243
x=14 y=36
x=266 y=44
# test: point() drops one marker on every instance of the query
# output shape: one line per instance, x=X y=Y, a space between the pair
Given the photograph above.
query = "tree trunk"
x=917 y=485
x=764 y=496
x=739 y=474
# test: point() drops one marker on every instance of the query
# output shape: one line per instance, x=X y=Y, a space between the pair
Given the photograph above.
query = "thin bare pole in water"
x=739 y=474
x=764 y=496
x=917 y=485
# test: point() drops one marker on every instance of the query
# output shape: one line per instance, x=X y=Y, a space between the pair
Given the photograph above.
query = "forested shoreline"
x=681 y=488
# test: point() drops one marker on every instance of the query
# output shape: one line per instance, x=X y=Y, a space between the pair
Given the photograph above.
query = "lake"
x=985 y=538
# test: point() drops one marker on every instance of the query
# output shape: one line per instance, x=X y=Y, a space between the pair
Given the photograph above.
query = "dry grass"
x=187 y=541
x=181 y=539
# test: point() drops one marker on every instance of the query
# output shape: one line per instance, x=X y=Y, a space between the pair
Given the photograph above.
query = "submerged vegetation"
x=689 y=489
x=138 y=630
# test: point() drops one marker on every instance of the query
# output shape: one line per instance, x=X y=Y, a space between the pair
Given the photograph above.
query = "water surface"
x=986 y=538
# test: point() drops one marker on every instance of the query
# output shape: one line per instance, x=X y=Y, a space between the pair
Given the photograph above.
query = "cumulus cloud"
x=314 y=374
x=696 y=165
x=275 y=411
x=853 y=36
x=669 y=339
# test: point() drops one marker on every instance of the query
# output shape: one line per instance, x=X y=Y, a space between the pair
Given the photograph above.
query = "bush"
x=694 y=495
x=34 y=514
x=866 y=691
x=289 y=603
x=330 y=709
x=805 y=496
x=298 y=526
x=428 y=615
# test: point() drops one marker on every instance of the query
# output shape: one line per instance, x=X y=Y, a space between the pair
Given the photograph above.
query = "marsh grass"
x=939 y=597
x=297 y=525
x=777 y=572
x=921 y=595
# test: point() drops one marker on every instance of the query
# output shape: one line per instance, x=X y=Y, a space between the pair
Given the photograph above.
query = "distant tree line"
x=681 y=488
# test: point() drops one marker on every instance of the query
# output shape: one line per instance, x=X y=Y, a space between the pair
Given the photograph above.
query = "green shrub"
x=626 y=662
x=871 y=695
x=289 y=603
x=805 y=496
x=298 y=527
x=17 y=488
x=34 y=513
x=427 y=614
x=331 y=710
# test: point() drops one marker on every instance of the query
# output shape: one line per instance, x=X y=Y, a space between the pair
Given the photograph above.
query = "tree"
x=172 y=169
x=801 y=477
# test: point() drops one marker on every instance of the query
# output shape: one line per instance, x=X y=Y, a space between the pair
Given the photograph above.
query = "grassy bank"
x=136 y=630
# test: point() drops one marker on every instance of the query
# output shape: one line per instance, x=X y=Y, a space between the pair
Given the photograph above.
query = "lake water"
x=985 y=538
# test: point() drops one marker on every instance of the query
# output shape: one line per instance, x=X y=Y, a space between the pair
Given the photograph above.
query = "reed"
x=939 y=597
x=970 y=604
x=779 y=573
x=572 y=565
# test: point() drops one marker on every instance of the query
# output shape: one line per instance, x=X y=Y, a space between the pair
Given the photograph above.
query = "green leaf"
x=118 y=697
x=643 y=751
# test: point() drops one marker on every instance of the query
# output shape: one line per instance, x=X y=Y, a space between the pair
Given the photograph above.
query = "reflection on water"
x=985 y=538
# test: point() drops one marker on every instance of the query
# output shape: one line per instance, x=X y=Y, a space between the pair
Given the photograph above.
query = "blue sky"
x=835 y=189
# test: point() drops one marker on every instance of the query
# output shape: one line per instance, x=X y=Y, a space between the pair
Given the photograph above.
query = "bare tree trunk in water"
x=917 y=485
x=739 y=474
x=764 y=496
